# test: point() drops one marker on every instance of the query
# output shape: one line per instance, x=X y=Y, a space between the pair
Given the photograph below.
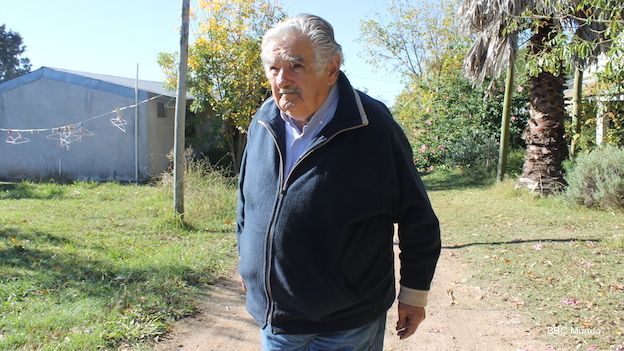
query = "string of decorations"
x=68 y=134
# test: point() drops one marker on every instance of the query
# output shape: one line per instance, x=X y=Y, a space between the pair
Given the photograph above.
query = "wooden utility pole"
x=136 y=126
x=576 y=109
x=503 y=149
x=180 y=112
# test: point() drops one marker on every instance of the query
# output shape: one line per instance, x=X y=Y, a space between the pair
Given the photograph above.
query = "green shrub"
x=597 y=179
x=515 y=161
x=476 y=153
x=440 y=111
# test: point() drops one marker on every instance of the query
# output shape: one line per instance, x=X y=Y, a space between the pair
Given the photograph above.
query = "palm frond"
x=494 y=48
x=489 y=56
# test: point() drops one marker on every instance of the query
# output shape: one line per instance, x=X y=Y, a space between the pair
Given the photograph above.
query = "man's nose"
x=283 y=77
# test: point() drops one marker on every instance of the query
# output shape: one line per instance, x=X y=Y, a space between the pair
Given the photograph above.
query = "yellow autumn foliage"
x=225 y=73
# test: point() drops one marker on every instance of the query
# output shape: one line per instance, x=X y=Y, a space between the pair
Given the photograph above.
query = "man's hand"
x=410 y=318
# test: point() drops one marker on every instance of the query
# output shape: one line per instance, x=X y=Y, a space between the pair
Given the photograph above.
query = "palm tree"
x=544 y=133
x=494 y=48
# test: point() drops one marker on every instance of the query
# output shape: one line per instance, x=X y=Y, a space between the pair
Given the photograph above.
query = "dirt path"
x=460 y=317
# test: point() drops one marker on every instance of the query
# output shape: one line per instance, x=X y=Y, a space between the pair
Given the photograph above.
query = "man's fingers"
x=400 y=324
x=402 y=321
x=410 y=318
x=408 y=330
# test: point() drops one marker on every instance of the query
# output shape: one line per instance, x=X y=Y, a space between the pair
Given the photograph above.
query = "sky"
x=112 y=36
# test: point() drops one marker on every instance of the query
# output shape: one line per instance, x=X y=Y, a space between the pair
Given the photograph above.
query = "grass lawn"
x=561 y=266
x=96 y=266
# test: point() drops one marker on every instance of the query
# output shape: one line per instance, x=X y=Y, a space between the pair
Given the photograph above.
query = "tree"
x=225 y=71
x=495 y=28
x=440 y=110
x=11 y=47
x=545 y=133
x=563 y=35
x=592 y=38
x=588 y=29
x=414 y=36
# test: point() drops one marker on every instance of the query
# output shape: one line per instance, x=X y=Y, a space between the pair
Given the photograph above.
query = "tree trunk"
x=236 y=144
x=544 y=133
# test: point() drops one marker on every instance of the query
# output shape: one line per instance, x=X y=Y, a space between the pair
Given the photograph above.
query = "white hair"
x=317 y=30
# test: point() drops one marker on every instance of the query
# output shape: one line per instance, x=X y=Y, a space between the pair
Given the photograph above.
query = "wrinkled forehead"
x=287 y=49
x=281 y=57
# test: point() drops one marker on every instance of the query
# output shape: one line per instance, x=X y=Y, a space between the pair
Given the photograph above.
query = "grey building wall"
x=160 y=134
x=107 y=155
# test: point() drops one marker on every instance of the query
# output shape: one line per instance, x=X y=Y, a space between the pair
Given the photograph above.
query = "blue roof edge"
x=71 y=78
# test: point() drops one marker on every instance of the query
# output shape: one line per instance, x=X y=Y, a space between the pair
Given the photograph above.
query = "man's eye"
x=298 y=66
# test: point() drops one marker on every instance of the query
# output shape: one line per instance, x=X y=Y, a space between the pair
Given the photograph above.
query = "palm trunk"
x=544 y=133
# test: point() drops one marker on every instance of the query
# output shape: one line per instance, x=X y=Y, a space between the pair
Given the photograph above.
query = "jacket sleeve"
x=418 y=226
x=240 y=199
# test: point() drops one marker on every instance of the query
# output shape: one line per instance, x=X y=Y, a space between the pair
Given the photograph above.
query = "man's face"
x=297 y=88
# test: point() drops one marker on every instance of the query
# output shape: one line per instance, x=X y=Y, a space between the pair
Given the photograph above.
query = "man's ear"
x=333 y=69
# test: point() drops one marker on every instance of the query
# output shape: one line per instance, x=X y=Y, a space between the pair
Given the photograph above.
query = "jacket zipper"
x=271 y=231
x=278 y=205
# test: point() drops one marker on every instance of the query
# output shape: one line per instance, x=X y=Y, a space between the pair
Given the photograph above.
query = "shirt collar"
x=327 y=108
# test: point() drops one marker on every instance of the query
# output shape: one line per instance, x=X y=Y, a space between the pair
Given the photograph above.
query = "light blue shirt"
x=298 y=141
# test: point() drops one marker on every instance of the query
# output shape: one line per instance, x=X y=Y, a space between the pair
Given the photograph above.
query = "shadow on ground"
x=47 y=262
x=546 y=240
x=454 y=180
x=25 y=190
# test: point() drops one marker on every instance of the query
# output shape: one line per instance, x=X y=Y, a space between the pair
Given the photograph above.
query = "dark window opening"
x=162 y=110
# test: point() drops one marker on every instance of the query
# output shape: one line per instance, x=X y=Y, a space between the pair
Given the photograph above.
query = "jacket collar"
x=350 y=113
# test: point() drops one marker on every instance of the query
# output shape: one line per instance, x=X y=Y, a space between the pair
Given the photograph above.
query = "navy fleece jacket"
x=316 y=245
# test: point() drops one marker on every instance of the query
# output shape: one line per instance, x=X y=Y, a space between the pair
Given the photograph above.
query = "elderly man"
x=326 y=174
